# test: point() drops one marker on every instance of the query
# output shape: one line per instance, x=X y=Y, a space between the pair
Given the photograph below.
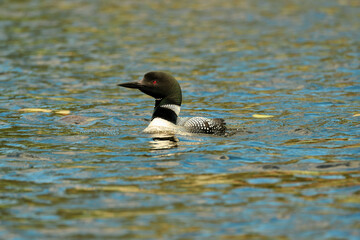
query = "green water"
x=94 y=175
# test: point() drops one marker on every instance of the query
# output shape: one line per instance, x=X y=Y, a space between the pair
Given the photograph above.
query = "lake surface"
x=285 y=75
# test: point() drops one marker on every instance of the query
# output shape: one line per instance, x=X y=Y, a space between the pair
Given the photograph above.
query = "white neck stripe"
x=172 y=107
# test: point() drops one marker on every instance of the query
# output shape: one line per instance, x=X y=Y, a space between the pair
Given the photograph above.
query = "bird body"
x=168 y=98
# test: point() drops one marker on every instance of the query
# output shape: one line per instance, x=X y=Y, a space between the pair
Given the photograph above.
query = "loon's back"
x=203 y=125
x=168 y=97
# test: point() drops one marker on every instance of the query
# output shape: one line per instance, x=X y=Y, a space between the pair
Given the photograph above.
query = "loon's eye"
x=154 y=82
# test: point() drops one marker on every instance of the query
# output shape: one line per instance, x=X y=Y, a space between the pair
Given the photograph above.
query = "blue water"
x=91 y=173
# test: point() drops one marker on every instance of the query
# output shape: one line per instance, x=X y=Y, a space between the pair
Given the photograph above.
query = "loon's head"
x=160 y=85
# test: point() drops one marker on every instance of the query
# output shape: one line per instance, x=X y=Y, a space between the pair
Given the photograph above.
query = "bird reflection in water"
x=163 y=141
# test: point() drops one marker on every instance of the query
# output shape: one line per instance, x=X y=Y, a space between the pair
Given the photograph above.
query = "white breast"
x=160 y=125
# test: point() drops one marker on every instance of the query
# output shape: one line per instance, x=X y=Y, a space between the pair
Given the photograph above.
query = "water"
x=93 y=174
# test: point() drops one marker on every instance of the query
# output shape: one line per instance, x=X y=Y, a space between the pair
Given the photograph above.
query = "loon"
x=168 y=97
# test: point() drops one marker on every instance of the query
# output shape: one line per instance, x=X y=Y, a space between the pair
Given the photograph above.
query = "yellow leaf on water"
x=35 y=110
x=356 y=115
x=62 y=112
x=262 y=116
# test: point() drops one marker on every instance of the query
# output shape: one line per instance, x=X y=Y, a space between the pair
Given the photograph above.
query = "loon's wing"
x=202 y=125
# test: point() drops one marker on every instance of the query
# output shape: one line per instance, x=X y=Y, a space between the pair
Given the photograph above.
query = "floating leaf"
x=35 y=110
x=62 y=112
x=262 y=116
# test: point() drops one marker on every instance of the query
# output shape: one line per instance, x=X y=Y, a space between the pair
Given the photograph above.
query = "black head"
x=159 y=85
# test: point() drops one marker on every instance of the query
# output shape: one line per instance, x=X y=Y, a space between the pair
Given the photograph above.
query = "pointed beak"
x=136 y=85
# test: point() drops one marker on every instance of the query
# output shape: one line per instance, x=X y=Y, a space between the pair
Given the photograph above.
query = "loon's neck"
x=166 y=110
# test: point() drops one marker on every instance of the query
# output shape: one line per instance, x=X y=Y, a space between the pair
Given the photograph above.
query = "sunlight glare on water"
x=74 y=162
